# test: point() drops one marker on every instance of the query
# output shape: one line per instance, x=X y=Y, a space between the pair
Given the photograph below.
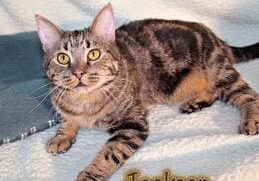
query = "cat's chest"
x=85 y=114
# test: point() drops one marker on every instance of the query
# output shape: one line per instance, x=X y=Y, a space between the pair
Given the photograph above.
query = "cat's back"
x=162 y=30
x=171 y=38
x=135 y=27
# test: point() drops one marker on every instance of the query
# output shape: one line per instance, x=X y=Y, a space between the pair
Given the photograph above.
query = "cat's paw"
x=250 y=127
x=85 y=176
x=59 y=144
x=193 y=106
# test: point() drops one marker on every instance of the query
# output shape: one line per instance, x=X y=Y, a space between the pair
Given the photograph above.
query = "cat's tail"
x=245 y=54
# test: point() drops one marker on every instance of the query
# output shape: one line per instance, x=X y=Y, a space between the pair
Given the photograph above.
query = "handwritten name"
x=166 y=175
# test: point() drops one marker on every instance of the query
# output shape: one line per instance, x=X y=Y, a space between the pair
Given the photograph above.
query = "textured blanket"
x=203 y=143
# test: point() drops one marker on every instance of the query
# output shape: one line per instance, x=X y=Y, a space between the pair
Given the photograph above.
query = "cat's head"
x=82 y=60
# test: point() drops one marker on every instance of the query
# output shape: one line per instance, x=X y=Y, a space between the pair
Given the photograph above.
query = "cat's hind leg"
x=237 y=92
x=200 y=101
x=195 y=92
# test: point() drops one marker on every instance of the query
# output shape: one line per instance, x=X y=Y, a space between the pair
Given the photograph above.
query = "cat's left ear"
x=49 y=33
x=104 y=24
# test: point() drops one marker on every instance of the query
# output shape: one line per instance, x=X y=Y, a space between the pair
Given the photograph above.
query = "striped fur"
x=149 y=62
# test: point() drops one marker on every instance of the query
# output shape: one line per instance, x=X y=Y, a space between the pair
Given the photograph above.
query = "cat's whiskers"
x=49 y=92
x=62 y=82
x=109 y=99
x=121 y=91
x=35 y=97
x=56 y=99
x=50 y=109
x=112 y=95
x=124 y=81
x=45 y=85
x=42 y=86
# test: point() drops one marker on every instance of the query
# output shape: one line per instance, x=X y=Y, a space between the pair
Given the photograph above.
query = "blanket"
x=202 y=143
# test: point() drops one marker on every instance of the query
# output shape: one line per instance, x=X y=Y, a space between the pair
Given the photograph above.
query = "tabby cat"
x=102 y=77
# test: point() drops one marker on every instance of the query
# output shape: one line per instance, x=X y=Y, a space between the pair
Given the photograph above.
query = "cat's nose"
x=78 y=73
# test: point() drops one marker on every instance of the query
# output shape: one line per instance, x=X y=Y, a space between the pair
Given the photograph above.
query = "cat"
x=103 y=77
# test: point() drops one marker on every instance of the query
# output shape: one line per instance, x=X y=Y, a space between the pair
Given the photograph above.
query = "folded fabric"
x=24 y=104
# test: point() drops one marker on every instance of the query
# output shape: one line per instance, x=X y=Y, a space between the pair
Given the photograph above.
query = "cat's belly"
x=193 y=84
x=196 y=83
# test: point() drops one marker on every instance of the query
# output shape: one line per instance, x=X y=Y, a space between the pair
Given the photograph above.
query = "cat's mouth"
x=80 y=84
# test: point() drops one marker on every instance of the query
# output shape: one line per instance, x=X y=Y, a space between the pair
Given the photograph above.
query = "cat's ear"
x=49 y=34
x=104 y=24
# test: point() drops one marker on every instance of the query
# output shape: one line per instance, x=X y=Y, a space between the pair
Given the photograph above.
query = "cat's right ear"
x=49 y=34
x=104 y=23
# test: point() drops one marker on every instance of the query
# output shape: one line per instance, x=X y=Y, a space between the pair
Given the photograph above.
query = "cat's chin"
x=81 y=89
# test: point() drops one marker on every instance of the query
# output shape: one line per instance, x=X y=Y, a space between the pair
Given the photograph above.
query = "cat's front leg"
x=63 y=139
x=128 y=135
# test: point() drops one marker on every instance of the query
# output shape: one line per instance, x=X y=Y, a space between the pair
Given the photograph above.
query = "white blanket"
x=204 y=143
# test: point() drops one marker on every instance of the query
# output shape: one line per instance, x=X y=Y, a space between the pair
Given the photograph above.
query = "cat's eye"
x=94 y=55
x=63 y=59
